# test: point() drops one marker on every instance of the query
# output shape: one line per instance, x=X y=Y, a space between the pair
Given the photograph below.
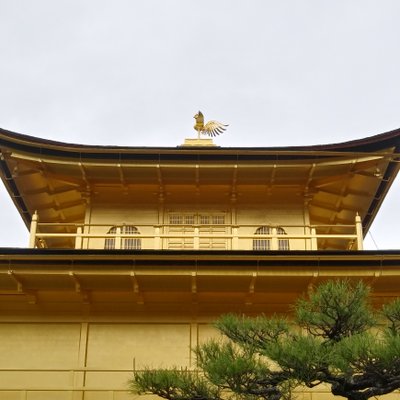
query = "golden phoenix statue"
x=211 y=128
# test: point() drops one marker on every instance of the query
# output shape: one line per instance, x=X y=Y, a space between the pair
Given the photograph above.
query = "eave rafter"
x=49 y=183
x=160 y=181
x=312 y=282
x=16 y=280
x=55 y=202
x=31 y=295
x=309 y=179
x=326 y=221
x=18 y=173
x=51 y=191
x=197 y=176
x=344 y=192
x=122 y=179
x=139 y=299
x=83 y=174
x=234 y=182
x=354 y=169
x=273 y=175
x=270 y=181
x=85 y=295
x=252 y=285
x=194 y=283
x=57 y=206
x=335 y=208
x=75 y=217
x=193 y=287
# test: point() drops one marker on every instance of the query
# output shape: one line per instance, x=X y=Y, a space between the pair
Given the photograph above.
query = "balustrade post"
x=157 y=239
x=359 y=233
x=235 y=238
x=78 y=238
x=274 y=239
x=33 y=230
x=118 y=238
x=314 y=243
x=196 y=239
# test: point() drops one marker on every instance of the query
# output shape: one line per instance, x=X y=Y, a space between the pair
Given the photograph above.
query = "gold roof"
x=336 y=181
x=181 y=283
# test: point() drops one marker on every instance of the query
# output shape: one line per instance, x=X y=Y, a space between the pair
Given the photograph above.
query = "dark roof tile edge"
x=371 y=143
x=4 y=251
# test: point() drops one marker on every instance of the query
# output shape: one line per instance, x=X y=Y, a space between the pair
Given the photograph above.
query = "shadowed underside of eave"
x=175 y=282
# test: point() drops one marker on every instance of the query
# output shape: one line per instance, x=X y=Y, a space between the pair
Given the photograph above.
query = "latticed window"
x=283 y=244
x=181 y=230
x=109 y=243
x=176 y=219
x=218 y=219
x=126 y=243
x=189 y=219
x=265 y=244
x=181 y=219
x=262 y=244
x=211 y=231
x=131 y=243
x=205 y=219
x=212 y=219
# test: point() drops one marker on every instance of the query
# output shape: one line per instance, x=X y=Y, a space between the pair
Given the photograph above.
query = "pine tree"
x=334 y=338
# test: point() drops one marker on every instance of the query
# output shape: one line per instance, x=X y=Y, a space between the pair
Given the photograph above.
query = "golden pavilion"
x=132 y=252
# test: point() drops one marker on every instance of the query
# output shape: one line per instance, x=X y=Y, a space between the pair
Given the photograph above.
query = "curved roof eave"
x=15 y=142
x=31 y=144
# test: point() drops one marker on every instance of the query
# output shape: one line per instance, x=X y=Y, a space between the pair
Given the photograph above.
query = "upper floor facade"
x=198 y=197
x=141 y=228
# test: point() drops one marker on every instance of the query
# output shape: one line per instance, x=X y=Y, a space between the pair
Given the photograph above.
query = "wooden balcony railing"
x=197 y=237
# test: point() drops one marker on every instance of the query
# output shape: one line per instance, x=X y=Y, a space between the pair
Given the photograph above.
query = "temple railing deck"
x=196 y=236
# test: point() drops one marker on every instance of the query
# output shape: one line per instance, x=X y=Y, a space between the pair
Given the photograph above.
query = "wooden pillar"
x=79 y=377
x=359 y=233
x=78 y=238
x=118 y=238
x=163 y=243
x=274 y=239
x=33 y=230
x=234 y=241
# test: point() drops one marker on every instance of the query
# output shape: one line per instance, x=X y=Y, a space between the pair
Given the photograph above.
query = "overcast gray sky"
x=283 y=72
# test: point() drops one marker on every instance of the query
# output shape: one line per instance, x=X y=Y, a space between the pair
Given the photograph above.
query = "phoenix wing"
x=213 y=128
